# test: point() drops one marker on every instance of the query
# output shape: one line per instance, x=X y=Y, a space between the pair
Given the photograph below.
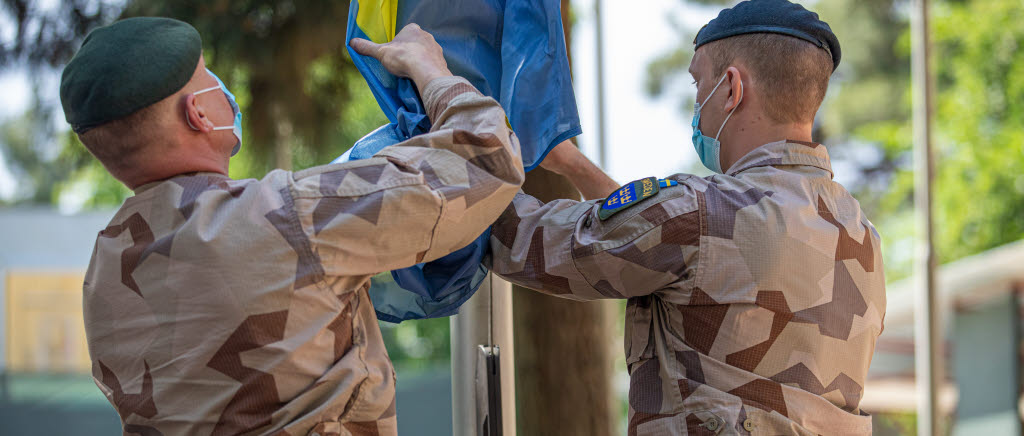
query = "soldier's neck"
x=165 y=166
x=751 y=134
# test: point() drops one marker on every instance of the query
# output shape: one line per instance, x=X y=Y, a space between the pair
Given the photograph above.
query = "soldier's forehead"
x=696 y=61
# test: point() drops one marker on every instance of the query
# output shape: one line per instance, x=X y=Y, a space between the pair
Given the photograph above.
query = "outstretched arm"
x=422 y=198
x=591 y=181
x=565 y=248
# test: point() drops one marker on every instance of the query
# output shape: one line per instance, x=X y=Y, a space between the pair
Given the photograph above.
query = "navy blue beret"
x=771 y=16
x=127 y=66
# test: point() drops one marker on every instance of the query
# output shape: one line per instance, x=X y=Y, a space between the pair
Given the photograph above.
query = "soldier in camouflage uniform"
x=216 y=306
x=755 y=295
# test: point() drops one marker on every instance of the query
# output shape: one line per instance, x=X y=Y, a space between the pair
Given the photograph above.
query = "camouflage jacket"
x=754 y=298
x=217 y=306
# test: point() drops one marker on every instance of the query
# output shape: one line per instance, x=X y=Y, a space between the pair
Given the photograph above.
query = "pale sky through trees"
x=646 y=136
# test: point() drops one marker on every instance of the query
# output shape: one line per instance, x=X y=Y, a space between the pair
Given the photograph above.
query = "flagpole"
x=485 y=320
x=602 y=151
x=927 y=335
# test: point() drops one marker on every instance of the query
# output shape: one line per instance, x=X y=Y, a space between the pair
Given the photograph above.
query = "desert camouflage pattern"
x=217 y=306
x=754 y=298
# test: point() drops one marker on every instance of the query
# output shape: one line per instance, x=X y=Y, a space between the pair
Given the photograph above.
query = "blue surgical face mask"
x=710 y=149
x=237 y=127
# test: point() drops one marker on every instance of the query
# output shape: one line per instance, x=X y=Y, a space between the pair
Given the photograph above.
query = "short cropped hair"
x=792 y=74
x=118 y=143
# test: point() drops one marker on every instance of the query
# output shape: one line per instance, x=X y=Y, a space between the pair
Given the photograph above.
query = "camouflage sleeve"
x=417 y=200
x=563 y=248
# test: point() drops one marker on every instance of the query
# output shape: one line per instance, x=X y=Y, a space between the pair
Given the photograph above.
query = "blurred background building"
x=44 y=371
x=982 y=393
x=304 y=104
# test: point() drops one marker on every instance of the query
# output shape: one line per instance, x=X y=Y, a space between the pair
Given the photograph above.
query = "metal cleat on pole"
x=483 y=383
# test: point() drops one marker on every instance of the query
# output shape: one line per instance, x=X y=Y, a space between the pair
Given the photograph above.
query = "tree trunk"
x=285 y=137
x=563 y=357
x=564 y=365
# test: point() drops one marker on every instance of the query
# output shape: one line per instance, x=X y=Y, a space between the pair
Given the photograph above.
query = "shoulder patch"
x=629 y=195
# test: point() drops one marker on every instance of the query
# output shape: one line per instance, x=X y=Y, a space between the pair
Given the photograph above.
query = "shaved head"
x=791 y=74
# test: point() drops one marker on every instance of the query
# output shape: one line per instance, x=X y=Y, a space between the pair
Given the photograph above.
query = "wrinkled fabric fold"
x=513 y=51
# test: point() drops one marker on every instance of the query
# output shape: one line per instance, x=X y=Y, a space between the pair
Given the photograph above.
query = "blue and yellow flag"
x=511 y=50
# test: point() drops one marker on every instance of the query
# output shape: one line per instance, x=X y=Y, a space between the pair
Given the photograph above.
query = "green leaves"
x=290 y=59
x=978 y=133
x=303 y=101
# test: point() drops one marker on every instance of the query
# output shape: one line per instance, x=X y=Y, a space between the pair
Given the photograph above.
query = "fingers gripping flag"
x=511 y=50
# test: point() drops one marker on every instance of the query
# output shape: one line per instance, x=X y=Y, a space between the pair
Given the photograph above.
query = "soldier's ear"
x=196 y=115
x=734 y=79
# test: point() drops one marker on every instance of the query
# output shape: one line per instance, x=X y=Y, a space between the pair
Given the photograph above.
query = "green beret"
x=127 y=66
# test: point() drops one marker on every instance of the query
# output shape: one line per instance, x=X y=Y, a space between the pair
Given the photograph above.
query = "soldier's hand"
x=413 y=54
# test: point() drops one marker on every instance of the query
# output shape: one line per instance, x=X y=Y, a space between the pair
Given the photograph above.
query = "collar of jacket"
x=143 y=188
x=788 y=152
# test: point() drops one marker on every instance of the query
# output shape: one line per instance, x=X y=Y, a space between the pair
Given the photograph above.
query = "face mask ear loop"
x=730 y=112
x=713 y=90
x=206 y=90
x=190 y=121
x=186 y=110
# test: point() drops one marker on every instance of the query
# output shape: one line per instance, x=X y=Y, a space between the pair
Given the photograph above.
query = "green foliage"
x=419 y=344
x=978 y=135
x=979 y=125
x=49 y=163
x=871 y=84
x=47 y=36
x=290 y=58
x=303 y=101
x=895 y=423
x=36 y=156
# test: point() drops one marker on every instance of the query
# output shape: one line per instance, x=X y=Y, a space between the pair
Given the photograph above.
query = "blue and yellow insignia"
x=666 y=183
x=627 y=196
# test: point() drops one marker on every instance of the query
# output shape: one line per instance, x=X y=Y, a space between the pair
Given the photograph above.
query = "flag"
x=513 y=51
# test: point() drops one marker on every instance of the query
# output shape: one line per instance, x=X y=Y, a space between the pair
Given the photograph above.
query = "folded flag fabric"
x=511 y=50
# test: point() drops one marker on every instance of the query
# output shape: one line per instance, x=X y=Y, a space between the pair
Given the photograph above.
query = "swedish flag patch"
x=628 y=195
